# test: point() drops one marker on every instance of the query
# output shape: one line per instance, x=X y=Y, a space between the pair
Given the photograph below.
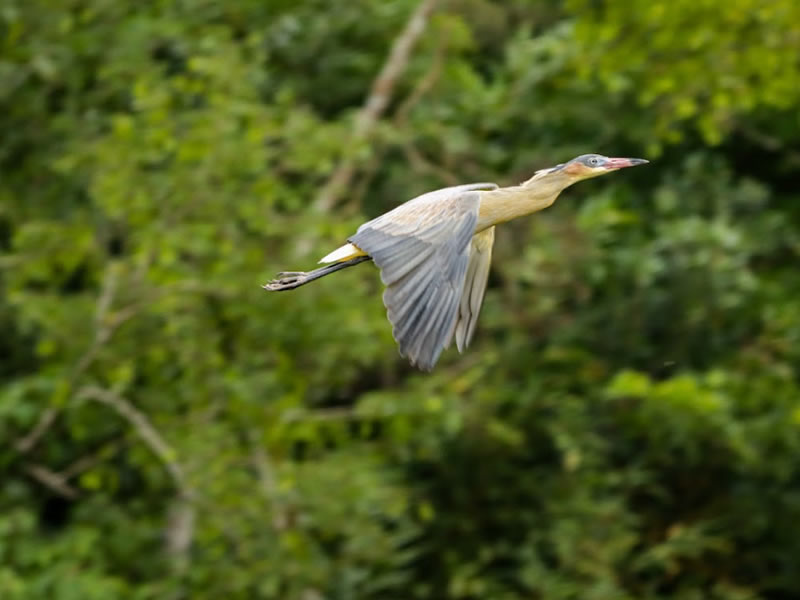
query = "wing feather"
x=405 y=263
x=427 y=341
x=423 y=251
x=407 y=304
x=406 y=294
x=480 y=260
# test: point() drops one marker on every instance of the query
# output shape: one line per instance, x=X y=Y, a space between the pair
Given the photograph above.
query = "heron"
x=434 y=253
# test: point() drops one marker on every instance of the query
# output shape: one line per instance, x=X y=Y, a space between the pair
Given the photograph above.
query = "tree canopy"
x=626 y=424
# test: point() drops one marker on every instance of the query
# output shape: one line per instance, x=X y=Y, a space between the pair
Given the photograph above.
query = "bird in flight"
x=434 y=253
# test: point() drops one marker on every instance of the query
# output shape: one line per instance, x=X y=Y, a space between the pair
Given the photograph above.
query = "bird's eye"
x=594 y=161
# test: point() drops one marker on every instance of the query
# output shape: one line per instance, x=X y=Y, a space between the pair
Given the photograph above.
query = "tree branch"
x=106 y=324
x=425 y=84
x=267 y=485
x=59 y=481
x=422 y=87
x=180 y=525
x=103 y=332
x=88 y=461
x=378 y=99
x=144 y=429
x=180 y=532
x=52 y=480
x=420 y=163
x=25 y=444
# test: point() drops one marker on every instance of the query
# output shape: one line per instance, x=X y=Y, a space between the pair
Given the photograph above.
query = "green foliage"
x=627 y=422
x=710 y=63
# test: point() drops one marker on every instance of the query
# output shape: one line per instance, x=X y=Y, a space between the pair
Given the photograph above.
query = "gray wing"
x=422 y=248
x=480 y=259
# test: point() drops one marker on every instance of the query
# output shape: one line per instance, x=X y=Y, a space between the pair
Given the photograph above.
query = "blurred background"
x=626 y=424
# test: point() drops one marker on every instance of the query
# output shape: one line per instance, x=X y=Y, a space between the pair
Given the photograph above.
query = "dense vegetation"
x=627 y=422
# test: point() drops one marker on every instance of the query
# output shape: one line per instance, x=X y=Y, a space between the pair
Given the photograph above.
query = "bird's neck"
x=504 y=204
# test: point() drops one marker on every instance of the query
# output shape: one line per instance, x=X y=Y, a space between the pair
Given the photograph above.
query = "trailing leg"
x=288 y=280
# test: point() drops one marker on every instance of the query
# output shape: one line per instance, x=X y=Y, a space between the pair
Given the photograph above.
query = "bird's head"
x=587 y=166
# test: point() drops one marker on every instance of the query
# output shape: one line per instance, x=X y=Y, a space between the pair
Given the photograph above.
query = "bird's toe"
x=286 y=280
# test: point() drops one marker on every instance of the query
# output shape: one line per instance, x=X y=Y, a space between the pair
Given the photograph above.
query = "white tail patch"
x=342 y=253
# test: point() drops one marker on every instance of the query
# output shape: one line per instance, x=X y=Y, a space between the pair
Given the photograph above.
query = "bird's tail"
x=289 y=280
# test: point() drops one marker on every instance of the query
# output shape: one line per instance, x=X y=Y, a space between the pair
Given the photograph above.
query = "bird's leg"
x=288 y=280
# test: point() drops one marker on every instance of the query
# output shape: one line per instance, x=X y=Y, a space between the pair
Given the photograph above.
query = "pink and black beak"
x=621 y=163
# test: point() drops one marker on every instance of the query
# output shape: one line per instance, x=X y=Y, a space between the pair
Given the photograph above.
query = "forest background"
x=626 y=424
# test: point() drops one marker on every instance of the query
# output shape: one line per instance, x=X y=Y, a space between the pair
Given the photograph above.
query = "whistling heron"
x=434 y=253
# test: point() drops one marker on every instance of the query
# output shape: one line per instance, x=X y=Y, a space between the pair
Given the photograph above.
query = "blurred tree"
x=626 y=425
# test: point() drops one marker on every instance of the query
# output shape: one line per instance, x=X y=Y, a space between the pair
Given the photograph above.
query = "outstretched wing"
x=422 y=248
x=480 y=259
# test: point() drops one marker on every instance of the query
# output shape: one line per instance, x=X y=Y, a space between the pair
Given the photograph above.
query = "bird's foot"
x=285 y=274
x=286 y=280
